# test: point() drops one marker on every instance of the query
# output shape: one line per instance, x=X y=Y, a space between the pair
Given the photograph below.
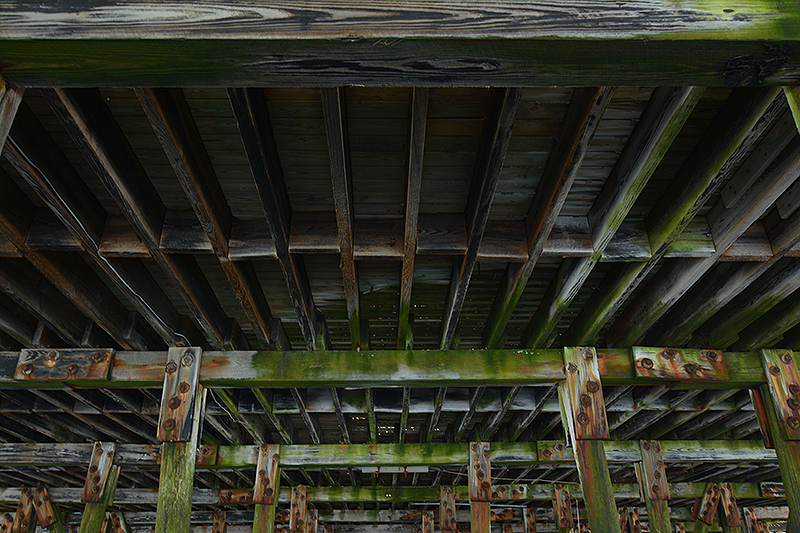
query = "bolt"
x=205 y=450
x=559 y=447
x=187 y=359
x=98 y=357
x=169 y=424
x=93 y=468
x=174 y=402
x=786 y=358
x=262 y=473
x=586 y=400
x=72 y=369
x=587 y=354
x=485 y=485
x=592 y=386
x=657 y=448
x=794 y=388
x=572 y=368
x=96 y=479
x=793 y=422
x=276 y=457
x=547 y=452
x=657 y=474
x=656 y=488
x=774 y=370
x=171 y=367
x=110 y=453
x=268 y=492
x=95 y=489
x=98 y=450
x=583 y=419
x=645 y=446
x=647 y=363
x=691 y=368
x=27 y=369
x=793 y=403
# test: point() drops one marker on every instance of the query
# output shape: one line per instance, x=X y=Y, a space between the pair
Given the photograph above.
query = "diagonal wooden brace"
x=25 y=519
x=117 y=523
x=784 y=385
x=100 y=464
x=46 y=511
x=728 y=510
x=705 y=508
x=94 y=513
x=7 y=521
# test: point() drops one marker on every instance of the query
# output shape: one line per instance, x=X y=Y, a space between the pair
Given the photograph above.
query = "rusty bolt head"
x=169 y=424
x=27 y=369
x=657 y=474
x=794 y=388
x=786 y=358
x=110 y=453
x=485 y=485
x=793 y=422
x=95 y=489
x=474 y=447
x=98 y=357
x=583 y=419
x=715 y=487
x=174 y=402
x=53 y=355
x=268 y=492
x=669 y=353
x=205 y=450
x=275 y=457
x=547 y=452
x=262 y=473
x=72 y=369
x=793 y=403
x=656 y=488
x=93 y=468
x=480 y=474
x=645 y=445
x=586 y=400
x=592 y=386
x=98 y=450
x=691 y=368
x=647 y=363
x=24 y=524
x=587 y=354
x=171 y=367
x=572 y=368
x=774 y=370
x=559 y=447
x=187 y=359
x=709 y=355
x=656 y=447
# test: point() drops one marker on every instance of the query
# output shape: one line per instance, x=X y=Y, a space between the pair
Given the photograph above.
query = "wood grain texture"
x=9 y=103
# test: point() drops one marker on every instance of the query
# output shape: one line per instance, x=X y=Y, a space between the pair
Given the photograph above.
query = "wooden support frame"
x=447 y=509
x=298 y=509
x=47 y=513
x=562 y=509
x=653 y=486
x=480 y=486
x=266 y=488
x=25 y=517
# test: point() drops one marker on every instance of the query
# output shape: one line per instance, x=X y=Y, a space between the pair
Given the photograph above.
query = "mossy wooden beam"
x=727 y=224
x=726 y=141
x=490 y=158
x=666 y=112
x=171 y=118
x=697 y=42
x=416 y=150
x=250 y=108
x=94 y=513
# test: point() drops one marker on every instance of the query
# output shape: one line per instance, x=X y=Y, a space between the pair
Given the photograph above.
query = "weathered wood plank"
x=9 y=102
x=583 y=116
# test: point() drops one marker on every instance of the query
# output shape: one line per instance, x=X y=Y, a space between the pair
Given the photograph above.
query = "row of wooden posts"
x=584 y=417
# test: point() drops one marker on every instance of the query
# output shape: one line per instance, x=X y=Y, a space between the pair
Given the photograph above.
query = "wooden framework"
x=361 y=266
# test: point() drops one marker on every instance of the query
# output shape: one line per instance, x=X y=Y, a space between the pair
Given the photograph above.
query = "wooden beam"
x=171 y=118
x=438 y=44
x=416 y=151
x=736 y=127
x=335 y=111
x=250 y=108
x=727 y=225
x=89 y=121
x=9 y=102
x=582 y=118
x=493 y=148
x=666 y=112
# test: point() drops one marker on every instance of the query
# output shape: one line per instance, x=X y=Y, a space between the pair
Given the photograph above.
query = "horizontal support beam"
x=390 y=368
x=315 y=233
x=389 y=455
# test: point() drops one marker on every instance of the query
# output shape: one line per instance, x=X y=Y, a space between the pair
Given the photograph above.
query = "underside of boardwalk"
x=399 y=266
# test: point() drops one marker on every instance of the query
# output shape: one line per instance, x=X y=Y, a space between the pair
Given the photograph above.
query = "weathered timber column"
x=266 y=488
x=653 y=485
x=782 y=405
x=99 y=488
x=480 y=486
x=562 y=509
x=298 y=506
x=182 y=404
x=583 y=413
x=447 y=509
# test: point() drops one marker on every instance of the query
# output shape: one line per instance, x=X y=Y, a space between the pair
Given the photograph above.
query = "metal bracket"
x=99 y=467
x=585 y=412
x=82 y=364
x=299 y=504
x=530 y=520
x=312 y=521
x=480 y=472
x=705 y=508
x=729 y=507
x=24 y=521
x=562 y=507
x=266 y=473
x=181 y=377
x=447 y=509
x=220 y=525
x=427 y=522
x=679 y=365
x=556 y=454
x=117 y=522
x=46 y=510
x=653 y=473
x=784 y=385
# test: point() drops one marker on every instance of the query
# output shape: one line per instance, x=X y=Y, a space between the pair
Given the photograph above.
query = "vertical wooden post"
x=530 y=520
x=480 y=486
x=653 y=486
x=179 y=429
x=220 y=524
x=583 y=414
x=781 y=397
x=447 y=509
x=299 y=504
x=99 y=488
x=266 y=488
